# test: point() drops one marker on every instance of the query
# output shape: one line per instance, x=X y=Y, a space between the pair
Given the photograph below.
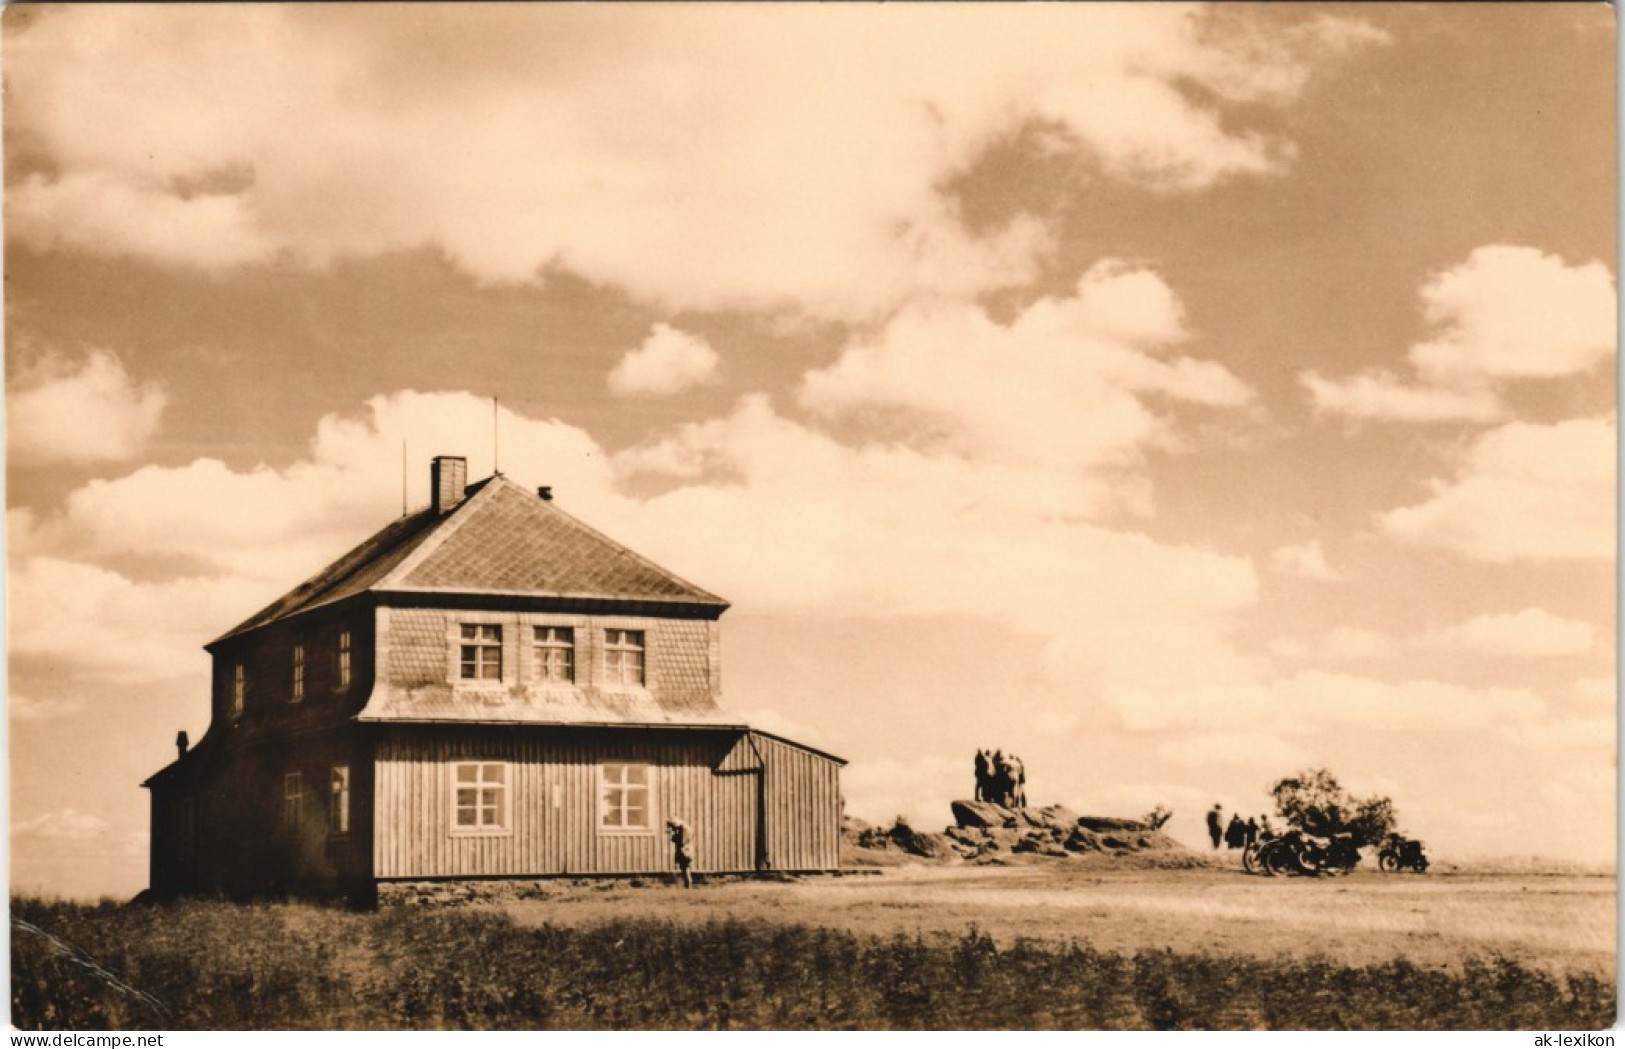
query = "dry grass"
x=938 y=948
x=1557 y=923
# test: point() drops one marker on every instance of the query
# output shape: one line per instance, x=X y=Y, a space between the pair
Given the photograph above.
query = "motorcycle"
x=1334 y=855
x=1400 y=854
x=1298 y=853
x=1278 y=856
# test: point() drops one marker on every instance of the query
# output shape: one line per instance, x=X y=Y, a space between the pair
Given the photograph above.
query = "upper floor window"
x=293 y=799
x=338 y=800
x=555 y=654
x=238 y=687
x=623 y=657
x=482 y=652
x=344 y=659
x=298 y=693
x=480 y=800
x=623 y=799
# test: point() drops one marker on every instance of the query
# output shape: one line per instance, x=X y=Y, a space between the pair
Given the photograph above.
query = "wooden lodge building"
x=486 y=688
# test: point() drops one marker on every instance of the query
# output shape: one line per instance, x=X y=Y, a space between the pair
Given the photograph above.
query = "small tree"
x=1157 y=817
x=1373 y=820
x=1315 y=803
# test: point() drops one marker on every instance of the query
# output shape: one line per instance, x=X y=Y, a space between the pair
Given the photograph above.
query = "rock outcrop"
x=986 y=833
x=982 y=830
x=990 y=833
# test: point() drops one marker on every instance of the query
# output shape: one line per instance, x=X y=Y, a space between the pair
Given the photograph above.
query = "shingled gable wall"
x=419 y=649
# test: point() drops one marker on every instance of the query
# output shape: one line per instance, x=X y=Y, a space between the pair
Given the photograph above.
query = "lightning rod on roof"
x=496 y=462
x=403 y=477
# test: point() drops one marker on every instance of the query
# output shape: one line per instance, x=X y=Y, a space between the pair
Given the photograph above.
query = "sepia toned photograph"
x=798 y=517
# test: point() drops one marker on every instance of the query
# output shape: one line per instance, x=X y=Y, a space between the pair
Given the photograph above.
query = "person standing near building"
x=682 y=844
x=1215 y=824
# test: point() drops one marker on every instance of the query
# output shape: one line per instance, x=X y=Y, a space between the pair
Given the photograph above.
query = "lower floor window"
x=480 y=798
x=293 y=799
x=624 y=801
x=338 y=800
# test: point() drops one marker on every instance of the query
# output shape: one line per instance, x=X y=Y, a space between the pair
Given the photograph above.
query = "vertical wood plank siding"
x=553 y=819
x=222 y=829
x=803 y=800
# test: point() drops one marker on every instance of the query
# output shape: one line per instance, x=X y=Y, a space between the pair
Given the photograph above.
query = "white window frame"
x=541 y=650
x=343 y=666
x=617 y=679
x=609 y=780
x=504 y=806
x=480 y=645
x=338 y=800
x=297 y=693
x=293 y=800
x=239 y=688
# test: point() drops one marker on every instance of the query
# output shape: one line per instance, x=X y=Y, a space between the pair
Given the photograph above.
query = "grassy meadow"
x=931 y=952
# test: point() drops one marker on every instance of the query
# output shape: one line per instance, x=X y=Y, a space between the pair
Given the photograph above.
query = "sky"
x=1176 y=397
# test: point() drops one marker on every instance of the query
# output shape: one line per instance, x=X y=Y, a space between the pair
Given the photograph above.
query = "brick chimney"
x=448 y=476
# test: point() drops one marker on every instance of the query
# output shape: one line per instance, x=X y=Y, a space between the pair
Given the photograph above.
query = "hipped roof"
x=502 y=539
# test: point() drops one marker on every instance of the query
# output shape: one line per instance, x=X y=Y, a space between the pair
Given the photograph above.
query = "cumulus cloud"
x=28 y=708
x=1070 y=383
x=1506 y=313
x=1566 y=734
x=102 y=213
x=1254 y=750
x=1521 y=491
x=1343 y=644
x=668 y=362
x=887 y=530
x=783 y=157
x=1304 y=560
x=1531 y=632
x=1515 y=313
x=100 y=624
x=1403 y=706
x=769 y=720
x=915 y=789
x=278 y=525
x=251 y=534
x=867 y=527
x=64 y=825
x=85 y=412
x=1380 y=394
x=1599 y=695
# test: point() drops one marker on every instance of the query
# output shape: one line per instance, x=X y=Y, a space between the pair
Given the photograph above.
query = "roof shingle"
x=502 y=539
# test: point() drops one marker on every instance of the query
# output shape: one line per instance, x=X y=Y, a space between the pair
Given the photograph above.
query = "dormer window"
x=623 y=657
x=298 y=693
x=237 y=690
x=481 y=652
x=556 y=654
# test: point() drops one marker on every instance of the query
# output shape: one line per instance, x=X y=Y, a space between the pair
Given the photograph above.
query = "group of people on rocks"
x=1236 y=834
x=1001 y=779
